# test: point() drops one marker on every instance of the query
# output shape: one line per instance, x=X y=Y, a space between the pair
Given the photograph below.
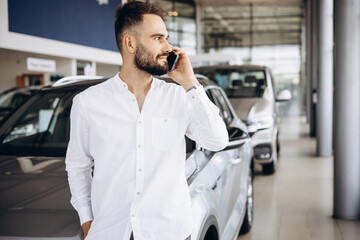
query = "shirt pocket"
x=164 y=132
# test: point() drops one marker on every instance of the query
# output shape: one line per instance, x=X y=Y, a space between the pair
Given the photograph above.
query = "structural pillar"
x=347 y=110
x=324 y=111
x=308 y=61
x=314 y=65
x=198 y=30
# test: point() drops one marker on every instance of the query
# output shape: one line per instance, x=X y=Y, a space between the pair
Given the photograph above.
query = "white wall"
x=9 y=68
x=64 y=66
x=13 y=63
x=106 y=70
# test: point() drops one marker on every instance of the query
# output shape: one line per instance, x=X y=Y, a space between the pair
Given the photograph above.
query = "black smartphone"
x=172 y=60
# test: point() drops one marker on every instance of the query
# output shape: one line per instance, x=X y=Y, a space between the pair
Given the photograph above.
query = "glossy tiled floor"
x=297 y=201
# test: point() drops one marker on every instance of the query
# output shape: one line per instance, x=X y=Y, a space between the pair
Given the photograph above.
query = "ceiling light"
x=173 y=13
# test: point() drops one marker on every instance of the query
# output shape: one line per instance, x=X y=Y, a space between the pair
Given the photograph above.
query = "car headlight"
x=259 y=124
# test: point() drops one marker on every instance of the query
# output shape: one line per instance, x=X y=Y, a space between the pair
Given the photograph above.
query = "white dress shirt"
x=139 y=182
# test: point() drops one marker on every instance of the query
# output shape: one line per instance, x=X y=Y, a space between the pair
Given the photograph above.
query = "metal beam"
x=204 y=3
x=255 y=17
x=224 y=34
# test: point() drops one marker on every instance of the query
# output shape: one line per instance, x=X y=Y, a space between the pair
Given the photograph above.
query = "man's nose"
x=167 y=47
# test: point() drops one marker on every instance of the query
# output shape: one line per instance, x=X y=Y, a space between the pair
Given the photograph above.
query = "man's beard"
x=144 y=61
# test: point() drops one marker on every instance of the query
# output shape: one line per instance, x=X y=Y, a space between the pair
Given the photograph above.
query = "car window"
x=43 y=127
x=238 y=83
x=190 y=146
x=220 y=102
x=216 y=102
x=10 y=99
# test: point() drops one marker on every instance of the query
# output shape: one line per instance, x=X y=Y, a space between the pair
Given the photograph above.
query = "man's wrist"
x=192 y=84
x=193 y=87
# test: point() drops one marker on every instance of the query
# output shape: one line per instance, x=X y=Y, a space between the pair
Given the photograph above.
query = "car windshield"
x=11 y=99
x=40 y=127
x=238 y=83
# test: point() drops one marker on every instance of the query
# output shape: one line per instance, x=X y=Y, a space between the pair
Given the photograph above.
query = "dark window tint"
x=42 y=128
x=190 y=146
x=220 y=102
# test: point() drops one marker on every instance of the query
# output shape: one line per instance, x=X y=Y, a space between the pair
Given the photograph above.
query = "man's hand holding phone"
x=182 y=72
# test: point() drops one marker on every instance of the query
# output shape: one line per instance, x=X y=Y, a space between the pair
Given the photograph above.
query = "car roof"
x=254 y=67
x=203 y=80
x=26 y=89
x=84 y=83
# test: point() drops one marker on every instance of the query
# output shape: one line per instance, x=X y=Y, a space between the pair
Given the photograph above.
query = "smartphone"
x=172 y=60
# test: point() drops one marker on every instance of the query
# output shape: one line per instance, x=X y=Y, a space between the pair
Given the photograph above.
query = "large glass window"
x=180 y=23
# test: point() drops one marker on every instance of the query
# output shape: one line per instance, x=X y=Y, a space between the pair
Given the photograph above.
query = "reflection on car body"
x=251 y=90
x=35 y=199
x=12 y=98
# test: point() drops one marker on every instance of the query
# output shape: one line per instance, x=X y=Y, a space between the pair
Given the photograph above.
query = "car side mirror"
x=283 y=96
x=237 y=137
x=236 y=134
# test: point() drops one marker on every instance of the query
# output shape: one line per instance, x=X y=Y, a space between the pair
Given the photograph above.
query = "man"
x=131 y=129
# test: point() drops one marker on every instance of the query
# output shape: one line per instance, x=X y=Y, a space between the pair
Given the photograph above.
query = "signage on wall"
x=40 y=65
x=101 y=2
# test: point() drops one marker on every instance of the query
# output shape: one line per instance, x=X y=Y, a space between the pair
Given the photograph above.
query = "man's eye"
x=157 y=38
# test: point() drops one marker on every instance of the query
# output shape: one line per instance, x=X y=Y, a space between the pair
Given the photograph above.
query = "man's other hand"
x=85 y=227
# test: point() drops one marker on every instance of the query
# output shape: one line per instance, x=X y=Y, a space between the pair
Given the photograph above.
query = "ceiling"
x=244 y=23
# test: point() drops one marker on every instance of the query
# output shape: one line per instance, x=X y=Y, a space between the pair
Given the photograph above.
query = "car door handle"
x=214 y=186
x=236 y=160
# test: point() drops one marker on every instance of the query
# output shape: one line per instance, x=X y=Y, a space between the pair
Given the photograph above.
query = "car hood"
x=35 y=198
x=252 y=108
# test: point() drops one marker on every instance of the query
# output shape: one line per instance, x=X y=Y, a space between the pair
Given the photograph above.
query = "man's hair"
x=130 y=15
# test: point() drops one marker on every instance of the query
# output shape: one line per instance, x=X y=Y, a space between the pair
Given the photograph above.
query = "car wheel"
x=268 y=168
x=248 y=219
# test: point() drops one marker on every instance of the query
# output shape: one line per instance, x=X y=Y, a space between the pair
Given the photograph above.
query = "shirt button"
x=165 y=120
x=133 y=100
x=139 y=122
x=138 y=193
x=140 y=170
x=124 y=85
x=193 y=96
x=139 y=146
x=133 y=215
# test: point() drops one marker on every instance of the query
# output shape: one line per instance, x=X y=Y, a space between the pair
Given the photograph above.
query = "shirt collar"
x=122 y=85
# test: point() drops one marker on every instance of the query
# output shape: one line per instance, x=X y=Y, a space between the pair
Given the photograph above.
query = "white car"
x=253 y=95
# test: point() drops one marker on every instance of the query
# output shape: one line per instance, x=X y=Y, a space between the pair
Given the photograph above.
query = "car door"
x=230 y=163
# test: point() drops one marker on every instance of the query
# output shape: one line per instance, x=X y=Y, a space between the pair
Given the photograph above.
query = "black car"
x=35 y=195
x=12 y=98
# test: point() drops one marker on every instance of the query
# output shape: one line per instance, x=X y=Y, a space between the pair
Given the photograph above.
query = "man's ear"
x=129 y=43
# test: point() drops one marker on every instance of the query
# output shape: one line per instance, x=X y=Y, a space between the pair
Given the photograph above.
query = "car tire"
x=248 y=218
x=277 y=144
x=268 y=168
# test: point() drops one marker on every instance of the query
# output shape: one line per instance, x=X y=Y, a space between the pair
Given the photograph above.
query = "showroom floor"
x=297 y=201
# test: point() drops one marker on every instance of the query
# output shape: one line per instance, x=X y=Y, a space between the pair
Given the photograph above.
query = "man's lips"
x=163 y=56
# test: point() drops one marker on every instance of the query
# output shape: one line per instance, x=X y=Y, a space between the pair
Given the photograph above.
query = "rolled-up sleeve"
x=206 y=127
x=79 y=161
